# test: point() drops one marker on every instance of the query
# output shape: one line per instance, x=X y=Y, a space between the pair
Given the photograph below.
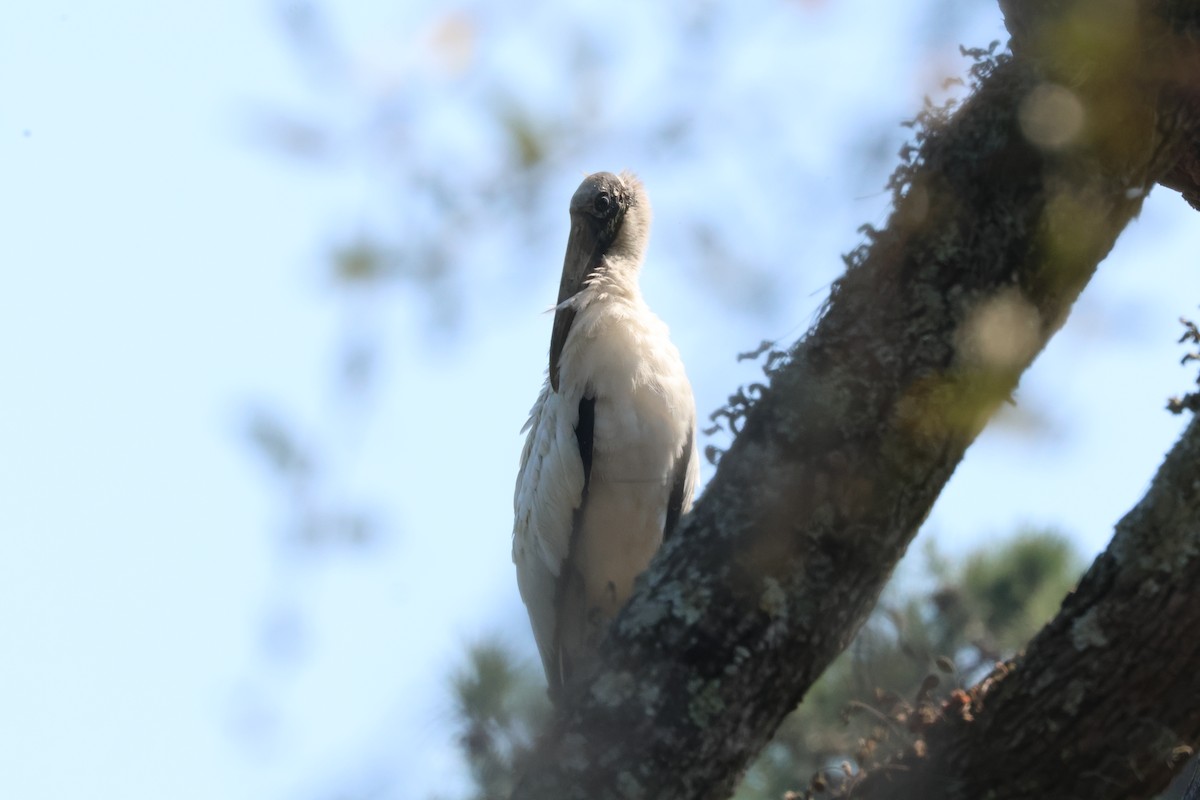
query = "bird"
x=609 y=463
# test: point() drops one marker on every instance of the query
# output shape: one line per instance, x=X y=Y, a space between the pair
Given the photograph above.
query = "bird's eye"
x=603 y=203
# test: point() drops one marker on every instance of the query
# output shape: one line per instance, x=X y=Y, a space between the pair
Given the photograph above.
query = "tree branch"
x=999 y=222
x=1039 y=27
x=1105 y=703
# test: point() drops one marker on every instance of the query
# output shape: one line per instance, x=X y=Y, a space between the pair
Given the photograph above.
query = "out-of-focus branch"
x=1040 y=27
x=1103 y=704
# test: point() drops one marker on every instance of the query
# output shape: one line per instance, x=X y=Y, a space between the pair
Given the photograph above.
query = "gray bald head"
x=617 y=210
x=610 y=219
x=601 y=194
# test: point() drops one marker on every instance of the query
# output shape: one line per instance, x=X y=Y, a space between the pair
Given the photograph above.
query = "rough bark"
x=995 y=232
x=1105 y=702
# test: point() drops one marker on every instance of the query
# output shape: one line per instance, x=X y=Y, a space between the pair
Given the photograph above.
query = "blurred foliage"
x=1191 y=400
x=920 y=645
x=501 y=705
x=314 y=515
x=462 y=123
x=459 y=148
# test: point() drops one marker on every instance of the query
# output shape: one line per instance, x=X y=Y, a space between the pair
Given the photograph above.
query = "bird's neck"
x=616 y=279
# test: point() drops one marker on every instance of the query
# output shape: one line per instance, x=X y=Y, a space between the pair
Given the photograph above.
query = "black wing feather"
x=675 y=499
x=584 y=430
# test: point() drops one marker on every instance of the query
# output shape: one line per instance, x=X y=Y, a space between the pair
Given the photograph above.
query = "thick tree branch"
x=1040 y=27
x=1105 y=703
x=998 y=225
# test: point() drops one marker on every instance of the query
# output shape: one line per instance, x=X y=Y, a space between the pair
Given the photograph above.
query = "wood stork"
x=609 y=464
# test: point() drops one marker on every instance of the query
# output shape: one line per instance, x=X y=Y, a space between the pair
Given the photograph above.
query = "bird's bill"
x=582 y=259
x=563 y=317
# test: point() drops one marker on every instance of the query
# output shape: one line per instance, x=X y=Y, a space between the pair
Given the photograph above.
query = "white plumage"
x=610 y=462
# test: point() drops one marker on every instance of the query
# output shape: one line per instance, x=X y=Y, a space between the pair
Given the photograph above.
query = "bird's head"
x=610 y=225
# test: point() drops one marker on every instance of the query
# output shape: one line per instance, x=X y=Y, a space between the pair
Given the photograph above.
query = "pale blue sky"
x=160 y=271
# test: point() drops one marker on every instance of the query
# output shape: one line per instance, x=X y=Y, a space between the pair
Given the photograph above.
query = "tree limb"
x=1105 y=702
x=1040 y=27
x=997 y=227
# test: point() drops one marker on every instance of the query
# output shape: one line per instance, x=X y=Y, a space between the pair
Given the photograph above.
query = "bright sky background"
x=160 y=273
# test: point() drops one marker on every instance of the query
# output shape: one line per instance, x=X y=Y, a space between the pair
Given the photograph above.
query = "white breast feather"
x=619 y=353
